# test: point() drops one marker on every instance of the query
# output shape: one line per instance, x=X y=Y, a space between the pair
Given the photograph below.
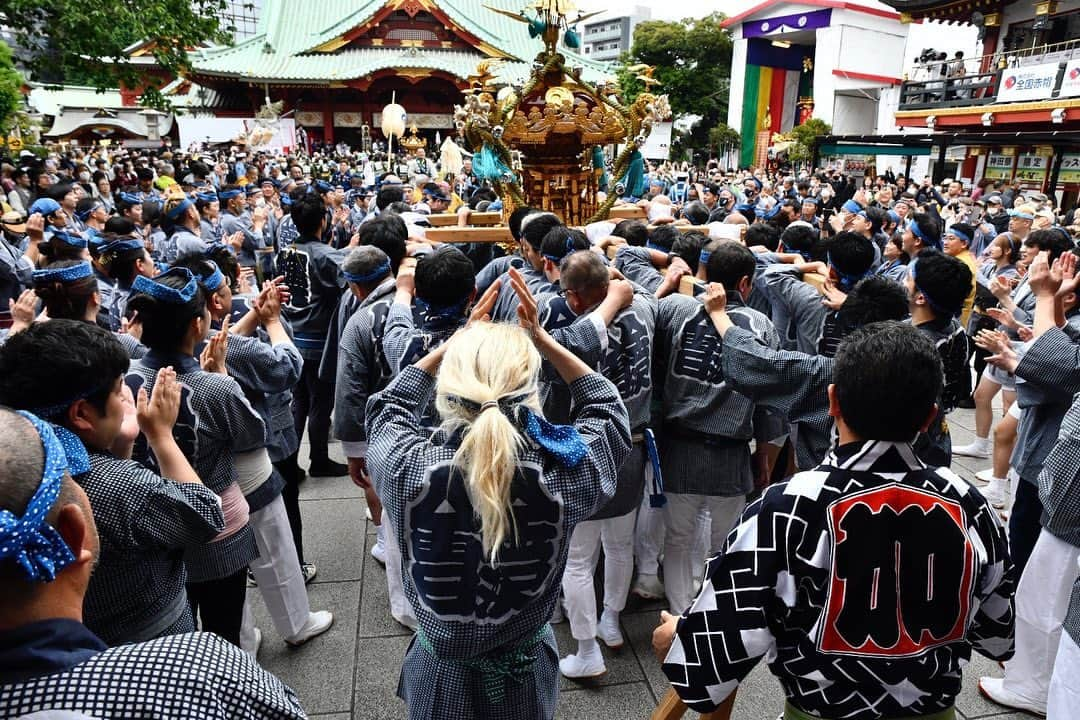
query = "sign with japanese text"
x=1033 y=82
x=1070 y=169
x=998 y=167
x=1070 y=82
x=1032 y=168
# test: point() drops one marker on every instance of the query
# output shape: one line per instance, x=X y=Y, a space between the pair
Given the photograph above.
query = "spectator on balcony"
x=955 y=73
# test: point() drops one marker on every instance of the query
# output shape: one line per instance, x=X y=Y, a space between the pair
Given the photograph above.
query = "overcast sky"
x=924 y=35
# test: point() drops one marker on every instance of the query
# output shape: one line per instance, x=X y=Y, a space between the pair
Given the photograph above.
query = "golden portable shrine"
x=541 y=144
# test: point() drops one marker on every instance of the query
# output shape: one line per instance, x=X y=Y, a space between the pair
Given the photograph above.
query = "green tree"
x=11 y=96
x=722 y=136
x=692 y=61
x=804 y=137
x=84 y=42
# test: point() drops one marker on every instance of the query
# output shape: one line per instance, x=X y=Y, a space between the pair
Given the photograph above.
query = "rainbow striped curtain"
x=770 y=85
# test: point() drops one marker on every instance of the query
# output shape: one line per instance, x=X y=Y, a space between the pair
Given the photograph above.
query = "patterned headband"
x=129 y=198
x=75 y=241
x=213 y=281
x=121 y=245
x=155 y=289
x=64 y=275
x=30 y=541
x=206 y=197
x=179 y=210
x=380 y=271
x=229 y=194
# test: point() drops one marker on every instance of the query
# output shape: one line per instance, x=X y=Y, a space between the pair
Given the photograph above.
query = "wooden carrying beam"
x=627 y=212
x=497 y=234
x=476 y=218
x=672 y=708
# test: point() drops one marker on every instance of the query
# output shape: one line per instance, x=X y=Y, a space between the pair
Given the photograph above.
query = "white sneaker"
x=317 y=623
x=378 y=550
x=985 y=475
x=608 y=630
x=589 y=665
x=978 y=448
x=994 y=690
x=648 y=587
x=996 y=492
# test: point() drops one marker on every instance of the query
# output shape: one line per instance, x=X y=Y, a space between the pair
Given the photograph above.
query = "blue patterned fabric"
x=375 y=274
x=214 y=280
x=29 y=540
x=121 y=245
x=180 y=209
x=562 y=441
x=64 y=275
x=76 y=241
x=164 y=293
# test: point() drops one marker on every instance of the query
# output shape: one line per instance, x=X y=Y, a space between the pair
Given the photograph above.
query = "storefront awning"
x=836 y=149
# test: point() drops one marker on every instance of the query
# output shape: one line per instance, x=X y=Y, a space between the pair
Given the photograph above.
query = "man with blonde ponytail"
x=484 y=509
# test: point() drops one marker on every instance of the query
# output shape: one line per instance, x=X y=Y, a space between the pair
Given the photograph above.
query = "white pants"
x=649 y=537
x=1065 y=686
x=681 y=564
x=399 y=604
x=1042 y=599
x=616 y=535
x=277 y=571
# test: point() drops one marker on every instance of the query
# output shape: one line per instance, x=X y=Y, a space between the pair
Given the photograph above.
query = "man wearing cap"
x=1021 y=219
x=16 y=270
x=49 y=660
x=19 y=197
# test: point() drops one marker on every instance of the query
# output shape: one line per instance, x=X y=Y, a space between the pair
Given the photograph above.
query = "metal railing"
x=1047 y=52
x=929 y=87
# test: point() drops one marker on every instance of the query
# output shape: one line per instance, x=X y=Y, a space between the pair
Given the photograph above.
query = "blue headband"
x=214 y=280
x=1021 y=215
x=562 y=441
x=164 y=293
x=322 y=187
x=569 y=249
x=230 y=194
x=29 y=540
x=129 y=198
x=85 y=214
x=917 y=232
x=180 y=209
x=450 y=312
x=117 y=246
x=76 y=241
x=253 y=189
x=375 y=274
x=851 y=206
x=846 y=281
x=960 y=234
x=64 y=275
x=929 y=300
x=206 y=197
x=703 y=258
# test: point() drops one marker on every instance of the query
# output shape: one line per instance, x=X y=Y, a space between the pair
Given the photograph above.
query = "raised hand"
x=481 y=310
x=22 y=311
x=715 y=298
x=528 y=316
x=212 y=358
x=156 y=413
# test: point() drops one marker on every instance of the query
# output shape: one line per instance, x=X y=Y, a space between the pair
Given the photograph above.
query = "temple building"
x=335 y=64
x=1013 y=114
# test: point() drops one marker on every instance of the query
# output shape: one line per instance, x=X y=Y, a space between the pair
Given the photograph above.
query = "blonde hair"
x=486 y=363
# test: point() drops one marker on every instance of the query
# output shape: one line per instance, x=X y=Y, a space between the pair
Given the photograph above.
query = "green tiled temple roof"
x=289 y=32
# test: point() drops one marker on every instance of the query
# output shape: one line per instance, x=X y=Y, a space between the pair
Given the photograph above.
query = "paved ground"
x=351 y=672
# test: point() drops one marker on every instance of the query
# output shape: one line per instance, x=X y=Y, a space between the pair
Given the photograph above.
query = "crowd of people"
x=741 y=401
